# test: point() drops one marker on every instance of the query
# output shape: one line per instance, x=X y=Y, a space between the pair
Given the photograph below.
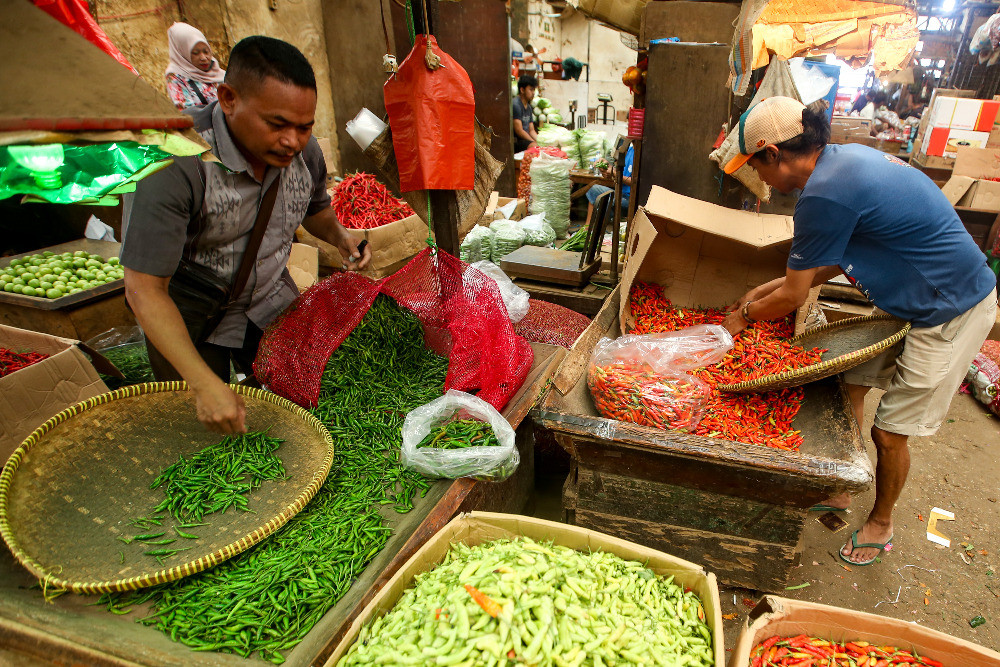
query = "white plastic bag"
x=550 y=191
x=670 y=352
x=477 y=245
x=508 y=209
x=515 y=298
x=508 y=236
x=537 y=232
x=365 y=128
x=490 y=463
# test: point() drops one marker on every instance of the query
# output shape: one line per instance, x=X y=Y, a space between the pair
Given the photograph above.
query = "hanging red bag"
x=432 y=117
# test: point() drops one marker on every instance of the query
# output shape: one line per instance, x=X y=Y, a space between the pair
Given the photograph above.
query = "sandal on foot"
x=826 y=508
x=871 y=545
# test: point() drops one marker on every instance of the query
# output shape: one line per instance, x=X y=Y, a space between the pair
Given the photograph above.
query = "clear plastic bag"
x=515 y=298
x=537 y=232
x=550 y=191
x=671 y=352
x=125 y=347
x=508 y=236
x=488 y=463
x=477 y=245
x=644 y=379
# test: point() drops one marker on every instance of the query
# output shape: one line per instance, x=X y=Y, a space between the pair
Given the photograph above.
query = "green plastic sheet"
x=88 y=174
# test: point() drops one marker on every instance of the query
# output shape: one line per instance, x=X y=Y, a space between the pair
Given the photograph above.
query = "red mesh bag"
x=460 y=308
x=552 y=324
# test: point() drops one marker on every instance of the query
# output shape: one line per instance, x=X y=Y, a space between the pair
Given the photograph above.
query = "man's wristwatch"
x=745 y=313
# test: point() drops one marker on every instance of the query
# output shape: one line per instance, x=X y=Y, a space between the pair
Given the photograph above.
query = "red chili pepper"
x=11 y=361
x=361 y=202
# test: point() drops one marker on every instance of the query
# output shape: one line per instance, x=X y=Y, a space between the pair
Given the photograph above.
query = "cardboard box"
x=702 y=254
x=479 y=527
x=303 y=265
x=392 y=245
x=788 y=618
x=966 y=114
x=968 y=185
x=30 y=396
x=622 y=14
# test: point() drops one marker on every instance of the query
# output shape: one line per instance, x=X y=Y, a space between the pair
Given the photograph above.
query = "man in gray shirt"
x=203 y=212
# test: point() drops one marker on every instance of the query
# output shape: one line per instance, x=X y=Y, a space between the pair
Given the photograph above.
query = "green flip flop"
x=873 y=545
x=826 y=508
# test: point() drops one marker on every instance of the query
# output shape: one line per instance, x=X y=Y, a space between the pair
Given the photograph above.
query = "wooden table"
x=587 y=179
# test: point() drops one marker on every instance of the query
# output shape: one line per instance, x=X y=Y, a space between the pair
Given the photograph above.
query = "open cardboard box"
x=479 y=527
x=32 y=395
x=701 y=253
x=969 y=184
x=788 y=618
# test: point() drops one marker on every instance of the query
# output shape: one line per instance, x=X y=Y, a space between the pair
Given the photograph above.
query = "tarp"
x=54 y=79
x=851 y=29
x=75 y=14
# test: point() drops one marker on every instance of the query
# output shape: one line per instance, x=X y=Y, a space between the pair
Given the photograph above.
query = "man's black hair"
x=525 y=81
x=815 y=134
x=255 y=58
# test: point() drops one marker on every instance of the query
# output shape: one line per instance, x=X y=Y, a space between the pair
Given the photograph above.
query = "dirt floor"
x=941 y=588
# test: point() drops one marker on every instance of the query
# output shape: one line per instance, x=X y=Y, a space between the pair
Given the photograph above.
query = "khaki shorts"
x=923 y=372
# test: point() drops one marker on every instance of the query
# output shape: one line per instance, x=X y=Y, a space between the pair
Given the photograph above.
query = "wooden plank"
x=690 y=21
x=586 y=300
x=735 y=561
x=662 y=501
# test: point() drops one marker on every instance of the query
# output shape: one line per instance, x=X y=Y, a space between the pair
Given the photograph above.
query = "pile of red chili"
x=361 y=202
x=11 y=361
x=805 y=651
x=761 y=349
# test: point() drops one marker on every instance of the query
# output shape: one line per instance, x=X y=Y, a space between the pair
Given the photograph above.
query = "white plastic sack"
x=811 y=83
x=671 y=352
x=537 y=232
x=508 y=236
x=494 y=463
x=515 y=298
x=477 y=245
x=550 y=191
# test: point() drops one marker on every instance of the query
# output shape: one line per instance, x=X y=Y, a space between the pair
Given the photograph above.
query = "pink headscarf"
x=181 y=38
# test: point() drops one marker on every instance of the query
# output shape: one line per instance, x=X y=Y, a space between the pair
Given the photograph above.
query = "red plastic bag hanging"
x=432 y=116
x=76 y=15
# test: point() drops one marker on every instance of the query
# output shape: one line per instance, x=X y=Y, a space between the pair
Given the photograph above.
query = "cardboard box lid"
x=760 y=230
x=977 y=162
x=956 y=187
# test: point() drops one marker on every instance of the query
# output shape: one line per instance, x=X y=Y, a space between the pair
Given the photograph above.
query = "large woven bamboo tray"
x=73 y=487
x=848 y=343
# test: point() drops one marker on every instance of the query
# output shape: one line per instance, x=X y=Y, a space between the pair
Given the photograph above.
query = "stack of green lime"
x=50 y=276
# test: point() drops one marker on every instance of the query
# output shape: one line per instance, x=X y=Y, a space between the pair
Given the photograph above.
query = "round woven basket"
x=848 y=343
x=75 y=485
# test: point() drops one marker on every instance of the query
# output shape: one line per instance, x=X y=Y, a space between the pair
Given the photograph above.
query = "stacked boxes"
x=956 y=121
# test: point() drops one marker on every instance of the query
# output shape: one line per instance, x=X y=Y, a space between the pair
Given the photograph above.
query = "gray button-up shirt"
x=205 y=212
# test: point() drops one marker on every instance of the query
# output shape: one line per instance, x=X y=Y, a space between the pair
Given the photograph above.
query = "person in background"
x=889 y=229
x=193 y=75
x=862 y=101
x=203 y=213
x=525 y=135
x=596 y=191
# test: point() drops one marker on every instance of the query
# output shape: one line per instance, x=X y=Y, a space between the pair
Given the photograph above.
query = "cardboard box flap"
x=956 y=187
x=22 y=340
x=977 y=162
x=759 y=230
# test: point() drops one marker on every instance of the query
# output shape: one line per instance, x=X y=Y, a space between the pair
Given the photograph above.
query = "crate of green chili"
x=506 y=589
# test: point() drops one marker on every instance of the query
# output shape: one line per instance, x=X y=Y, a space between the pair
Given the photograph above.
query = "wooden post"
x=444 y=212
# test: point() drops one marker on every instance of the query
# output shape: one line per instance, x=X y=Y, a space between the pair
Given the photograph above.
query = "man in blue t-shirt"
x=596 y=191
x=525 y=135
x=891 y=231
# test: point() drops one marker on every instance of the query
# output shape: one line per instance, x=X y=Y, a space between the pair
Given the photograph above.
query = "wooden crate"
x=80 y=316
x=738 y=509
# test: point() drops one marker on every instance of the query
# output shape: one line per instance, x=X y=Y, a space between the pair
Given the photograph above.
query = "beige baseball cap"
x=770 y=121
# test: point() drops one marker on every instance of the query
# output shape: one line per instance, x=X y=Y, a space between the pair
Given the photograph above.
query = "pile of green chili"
x=219 y=476
x=132 y=360
x=268 y=598
x=459 y=434
x=512 y=602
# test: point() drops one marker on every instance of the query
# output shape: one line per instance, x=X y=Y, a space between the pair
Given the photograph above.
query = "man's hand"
x=220 y=409
x=734 y=322
x=324 y=225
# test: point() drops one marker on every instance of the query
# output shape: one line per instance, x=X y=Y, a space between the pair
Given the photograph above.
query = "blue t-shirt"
x=627 y=171
x=894 y=234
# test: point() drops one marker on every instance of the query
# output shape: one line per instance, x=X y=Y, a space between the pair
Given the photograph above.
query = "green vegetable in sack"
x=508 y=236
x=477 y=246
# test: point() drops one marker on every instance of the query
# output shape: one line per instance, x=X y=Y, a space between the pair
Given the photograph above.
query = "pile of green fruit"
x=50 y=276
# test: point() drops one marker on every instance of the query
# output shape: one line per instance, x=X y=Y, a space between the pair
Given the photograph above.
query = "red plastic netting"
x=550 y=323
x=460 y=308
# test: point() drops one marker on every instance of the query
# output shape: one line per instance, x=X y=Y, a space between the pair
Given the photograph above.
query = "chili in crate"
x=761 y=349
x=805 y=651
x=11 y=361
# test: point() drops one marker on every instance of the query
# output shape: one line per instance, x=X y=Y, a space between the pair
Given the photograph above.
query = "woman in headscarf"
x=193 y=75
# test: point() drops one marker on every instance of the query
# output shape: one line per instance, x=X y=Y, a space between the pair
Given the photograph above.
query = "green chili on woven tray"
x=268 y=598
x=219 y=476
x=459 y=434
